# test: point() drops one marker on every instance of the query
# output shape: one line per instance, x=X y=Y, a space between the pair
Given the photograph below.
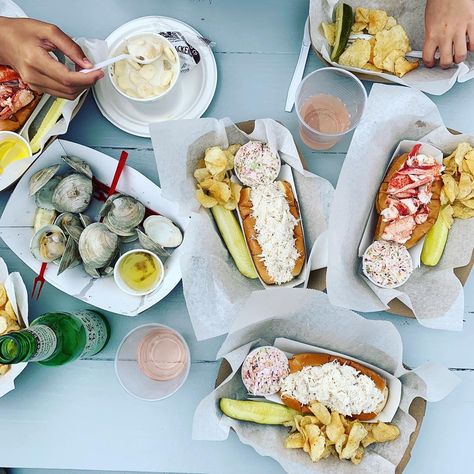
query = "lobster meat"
x=14 y=93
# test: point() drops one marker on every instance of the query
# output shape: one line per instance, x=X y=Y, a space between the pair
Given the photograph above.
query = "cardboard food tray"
x=317 y=279
x=417 y=410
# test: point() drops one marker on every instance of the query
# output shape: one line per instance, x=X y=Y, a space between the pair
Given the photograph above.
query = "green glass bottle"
x=56 y=339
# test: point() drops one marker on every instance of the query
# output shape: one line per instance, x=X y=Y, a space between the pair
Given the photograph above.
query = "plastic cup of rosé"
x=152 y=362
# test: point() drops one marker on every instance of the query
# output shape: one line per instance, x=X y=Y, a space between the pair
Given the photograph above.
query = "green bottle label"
x=46 y=342
x=96 y=332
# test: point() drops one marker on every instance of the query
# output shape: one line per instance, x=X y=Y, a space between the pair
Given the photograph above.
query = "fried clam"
x=48 y=243
x=97 y=246
x=43 y=217
x=71 y=224
x=78 y=165
x=40 y=178
x=122 y=214
x=44 y=197
x=73 y=193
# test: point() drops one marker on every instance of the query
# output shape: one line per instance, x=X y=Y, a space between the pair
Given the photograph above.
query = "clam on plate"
x=16 y=229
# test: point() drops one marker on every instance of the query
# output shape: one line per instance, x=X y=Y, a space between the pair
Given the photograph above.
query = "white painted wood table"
x=78 y=417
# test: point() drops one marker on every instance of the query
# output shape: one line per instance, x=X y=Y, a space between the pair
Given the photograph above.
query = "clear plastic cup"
x=329 y=103
x=133 y=379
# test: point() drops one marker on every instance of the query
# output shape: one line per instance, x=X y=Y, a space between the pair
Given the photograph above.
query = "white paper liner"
x=307 y=316
x=410 y=15
x=211 y=282
x=434 y=294
x=18 y=296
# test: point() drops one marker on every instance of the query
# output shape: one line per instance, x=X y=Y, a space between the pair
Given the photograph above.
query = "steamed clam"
x=48 y=243
x=98 y=245
x=70 y=258
x=71 y=224
x=122 y=214
x=162 y=231
x=43 y=217
x=148 y=244
x=40 y=178
x=73 y=193
x=44 y=197
x=78 y=165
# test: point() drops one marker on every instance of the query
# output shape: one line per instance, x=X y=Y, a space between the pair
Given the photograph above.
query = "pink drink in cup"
x=329 y=103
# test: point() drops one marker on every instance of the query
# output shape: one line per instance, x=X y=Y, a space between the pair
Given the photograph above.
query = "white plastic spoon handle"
x=106 y=63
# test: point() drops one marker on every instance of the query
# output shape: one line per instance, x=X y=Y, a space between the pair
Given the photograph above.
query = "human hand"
x=447 y=23
x=25 y=46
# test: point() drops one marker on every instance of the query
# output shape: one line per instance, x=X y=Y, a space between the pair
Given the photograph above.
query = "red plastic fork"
x=39 y=280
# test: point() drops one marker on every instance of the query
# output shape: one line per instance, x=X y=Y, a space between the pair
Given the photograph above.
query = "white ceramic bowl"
x=119 y=48
x=124 y=287
x=133 y=380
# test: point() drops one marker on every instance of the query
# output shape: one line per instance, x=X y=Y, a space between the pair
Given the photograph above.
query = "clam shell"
x=93 y=272
x=151 y=245
x=78 y=165
x=48 y=244
x=97 y=245
x=44 y=197
x=73 y=193
x=43 y=217
x=70 y=257
x=122 y=214
x=163 y=231
x=40 y=178
x=85 y=220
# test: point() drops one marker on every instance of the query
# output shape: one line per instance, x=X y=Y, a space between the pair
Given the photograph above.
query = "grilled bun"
x=248 y=222
x=20 y=117
x=299 y=361
x=381 y=203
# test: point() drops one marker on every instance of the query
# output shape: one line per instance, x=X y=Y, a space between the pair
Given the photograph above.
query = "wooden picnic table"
x=78 y=416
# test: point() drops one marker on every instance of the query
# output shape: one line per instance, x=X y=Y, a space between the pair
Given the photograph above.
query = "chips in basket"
x=214 y=185
x=457 y=194
x=8 y=321
x=385 y=51
x=328 y=433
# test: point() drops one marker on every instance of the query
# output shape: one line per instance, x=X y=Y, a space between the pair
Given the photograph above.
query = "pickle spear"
x=436 y=238
x=265 y=413
x=234 y=240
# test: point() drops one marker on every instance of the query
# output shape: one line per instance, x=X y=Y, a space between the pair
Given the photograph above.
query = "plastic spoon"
x=120 y=57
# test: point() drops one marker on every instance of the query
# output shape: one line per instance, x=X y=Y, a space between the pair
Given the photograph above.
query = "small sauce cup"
x=149 y=260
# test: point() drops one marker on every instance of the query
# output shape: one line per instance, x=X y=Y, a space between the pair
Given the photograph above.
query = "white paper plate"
x=16 y=230
x=188 y=100
x=394 y=385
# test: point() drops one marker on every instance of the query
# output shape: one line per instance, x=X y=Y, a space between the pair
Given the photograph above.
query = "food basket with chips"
x=380 y=41
x=299 y=436
x=13 y=316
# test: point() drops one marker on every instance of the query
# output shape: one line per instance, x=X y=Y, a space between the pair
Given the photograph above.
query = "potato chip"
x=370 y=67
x=201 y=174
x=3 y=325
x=294 y=441
x=340 y=443
x=446 y=214
x=450 y=187
x=317 y=442
x=321 y=412
x=356 y=435
x=329 y=30
x=220 y=191
x=358 y=27
x=358 y=455
x=205 y=200
x=465 y=186
x=216 y=160
x=4 y=369
x=462 y=212
x=389 y=62
x=10 y=311
x=362 y=15
x=402 y=66
x=391 y=22
x=3 y=296
x=234 y=148
x=356 y=55
x=377 y=21
x=335 y=428
x=388 y=40
x=461 y=150
x=383 y=432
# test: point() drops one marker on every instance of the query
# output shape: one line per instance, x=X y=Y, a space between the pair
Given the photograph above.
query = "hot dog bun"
x=381 y=203
x=20 y=117
x=298 y=361
x=248 y=222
